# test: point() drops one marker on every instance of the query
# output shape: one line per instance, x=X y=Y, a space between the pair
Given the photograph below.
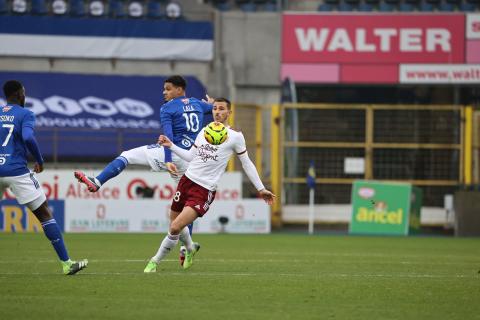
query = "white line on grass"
x=252 y=274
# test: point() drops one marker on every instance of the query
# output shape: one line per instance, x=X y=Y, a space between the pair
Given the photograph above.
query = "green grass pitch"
x=278 y=276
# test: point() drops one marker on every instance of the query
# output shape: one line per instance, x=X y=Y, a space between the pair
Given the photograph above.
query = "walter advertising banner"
x=94 y=115
x=105 y=38
x=369 y=48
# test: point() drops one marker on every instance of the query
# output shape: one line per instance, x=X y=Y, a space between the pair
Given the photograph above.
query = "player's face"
x=220 y=112
x=170 y=91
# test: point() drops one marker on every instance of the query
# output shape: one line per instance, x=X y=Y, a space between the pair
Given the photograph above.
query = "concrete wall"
x=245 y=68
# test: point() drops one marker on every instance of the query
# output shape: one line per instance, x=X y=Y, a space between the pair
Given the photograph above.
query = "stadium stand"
x=59 y=7
x=96 y=8
x=162 y=9
x=154 y=10
x=117 y=9
x=77 y=8
x=19 y=6
x=136 y=9
x=39 y=7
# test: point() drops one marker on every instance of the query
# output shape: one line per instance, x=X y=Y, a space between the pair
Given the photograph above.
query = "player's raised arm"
x=186 y=155
x=166 y=122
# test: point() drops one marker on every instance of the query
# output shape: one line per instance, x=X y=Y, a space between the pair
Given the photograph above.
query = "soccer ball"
x=216 y=133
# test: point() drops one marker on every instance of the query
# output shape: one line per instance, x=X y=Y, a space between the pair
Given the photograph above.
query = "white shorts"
x=154 y=156
x=26 y=189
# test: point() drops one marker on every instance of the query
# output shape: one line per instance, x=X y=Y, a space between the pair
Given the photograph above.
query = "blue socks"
x=112 y=169
x=190 y=228
x=53 y=233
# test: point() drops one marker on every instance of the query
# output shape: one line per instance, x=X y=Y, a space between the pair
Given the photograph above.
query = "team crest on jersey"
x=186 y=101
x=6 y=108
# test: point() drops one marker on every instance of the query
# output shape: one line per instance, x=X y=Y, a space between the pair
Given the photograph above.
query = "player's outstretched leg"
x=110 y=171
x=92 y=183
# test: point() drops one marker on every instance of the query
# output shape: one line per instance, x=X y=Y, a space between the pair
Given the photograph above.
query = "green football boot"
x=151 y=267
x=189 y=257
x=71 y=267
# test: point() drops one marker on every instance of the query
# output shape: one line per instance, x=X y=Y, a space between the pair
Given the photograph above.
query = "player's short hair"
x=11 y=87
x=229 y=104
x=177 y=81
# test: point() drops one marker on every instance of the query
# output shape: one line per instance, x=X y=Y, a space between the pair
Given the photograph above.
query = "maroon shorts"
x=190 y=194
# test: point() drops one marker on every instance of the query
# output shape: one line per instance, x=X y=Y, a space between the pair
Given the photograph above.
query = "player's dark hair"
x=11 y=87
x=177 y=81
x=229 y=104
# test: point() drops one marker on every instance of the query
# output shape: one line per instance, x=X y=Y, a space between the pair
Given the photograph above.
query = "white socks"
x=186 y=238
x=168 y=243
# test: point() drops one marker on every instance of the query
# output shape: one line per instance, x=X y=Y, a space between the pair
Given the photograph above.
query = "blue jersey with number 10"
x=182 y=119
x=13 y=150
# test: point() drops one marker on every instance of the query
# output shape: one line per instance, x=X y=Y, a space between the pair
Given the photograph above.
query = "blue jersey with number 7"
x=182 y=119
x=15 y=122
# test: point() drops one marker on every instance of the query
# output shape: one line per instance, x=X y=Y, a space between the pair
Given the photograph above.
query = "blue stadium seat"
x=221 y=5
x=386 y=7
x=154 y=10
x=467 y=7
x=373 y=3
x=344 y=7
x=3 y=7
x=77 y=8
x=246 y=5
x=406 y=7
x=426 y=7
x=39 y=7
x=446 y=7
x=365 y=7
x=270 y=6
x=325 y=7
x=117 y=9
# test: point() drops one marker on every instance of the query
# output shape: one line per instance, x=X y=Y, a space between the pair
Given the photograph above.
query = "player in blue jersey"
x=16 y=137
x=181 y=119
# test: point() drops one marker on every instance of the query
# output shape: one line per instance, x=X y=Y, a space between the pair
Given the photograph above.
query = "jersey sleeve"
x=166 y=122
x=207 y=113
x=207 y=107
x=28 y=137
x=240 y=145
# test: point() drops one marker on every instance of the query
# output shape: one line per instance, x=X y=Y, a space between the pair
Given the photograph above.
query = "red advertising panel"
x=373 y=38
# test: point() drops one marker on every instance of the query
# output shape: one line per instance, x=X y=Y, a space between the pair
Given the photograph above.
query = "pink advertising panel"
x=373 y=38
x=369 y=73
x=311 y=73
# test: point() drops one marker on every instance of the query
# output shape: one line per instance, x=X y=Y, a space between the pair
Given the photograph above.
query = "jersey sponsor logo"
x=6 y=108
x=186 y=101
x=207 y=152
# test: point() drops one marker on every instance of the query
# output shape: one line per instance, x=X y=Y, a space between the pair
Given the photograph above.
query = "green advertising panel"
x=385 y=208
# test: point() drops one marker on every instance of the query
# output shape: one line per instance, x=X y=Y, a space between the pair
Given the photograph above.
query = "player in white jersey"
x=196 y=189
